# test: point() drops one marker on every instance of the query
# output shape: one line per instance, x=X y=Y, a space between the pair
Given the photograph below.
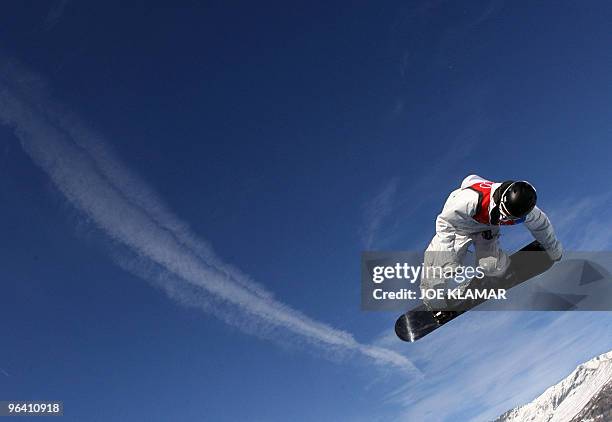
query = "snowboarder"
x=473 y=214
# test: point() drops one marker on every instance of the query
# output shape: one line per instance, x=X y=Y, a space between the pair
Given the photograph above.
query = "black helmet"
x=517 y=199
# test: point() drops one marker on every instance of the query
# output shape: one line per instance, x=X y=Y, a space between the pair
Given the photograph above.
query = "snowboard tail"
x=525 y=264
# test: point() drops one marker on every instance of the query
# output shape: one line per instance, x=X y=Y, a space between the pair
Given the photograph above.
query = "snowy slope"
x=586 y=394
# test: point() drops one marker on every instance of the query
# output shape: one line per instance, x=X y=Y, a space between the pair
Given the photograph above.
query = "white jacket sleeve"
x=459 y=207
x=542 y=230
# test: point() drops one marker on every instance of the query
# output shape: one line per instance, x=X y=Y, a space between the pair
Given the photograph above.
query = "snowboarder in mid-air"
x=473 y=214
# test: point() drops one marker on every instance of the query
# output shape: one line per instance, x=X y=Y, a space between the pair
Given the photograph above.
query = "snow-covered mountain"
x=584 y=396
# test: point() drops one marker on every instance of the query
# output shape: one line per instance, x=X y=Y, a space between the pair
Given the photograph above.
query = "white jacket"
x=460 y=207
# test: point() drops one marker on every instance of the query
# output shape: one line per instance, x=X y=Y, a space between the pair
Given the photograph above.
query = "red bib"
x=484 y=200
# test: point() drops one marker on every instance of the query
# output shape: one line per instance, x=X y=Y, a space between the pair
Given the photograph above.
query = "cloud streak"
x=376 y=210
x=92 y=179
x=55 y=14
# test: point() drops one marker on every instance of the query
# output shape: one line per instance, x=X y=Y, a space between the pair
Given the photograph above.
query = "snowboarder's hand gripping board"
x=527 y=263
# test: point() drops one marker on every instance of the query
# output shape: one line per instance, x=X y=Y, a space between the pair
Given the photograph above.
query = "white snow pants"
x=489 y=256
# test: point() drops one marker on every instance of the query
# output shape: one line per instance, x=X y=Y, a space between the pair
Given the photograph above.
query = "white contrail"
x=97 y=184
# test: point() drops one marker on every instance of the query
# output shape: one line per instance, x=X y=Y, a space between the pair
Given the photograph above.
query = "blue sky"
x=186 y=192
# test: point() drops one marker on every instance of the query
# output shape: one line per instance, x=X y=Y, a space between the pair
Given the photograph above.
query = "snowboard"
x=526 y=263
